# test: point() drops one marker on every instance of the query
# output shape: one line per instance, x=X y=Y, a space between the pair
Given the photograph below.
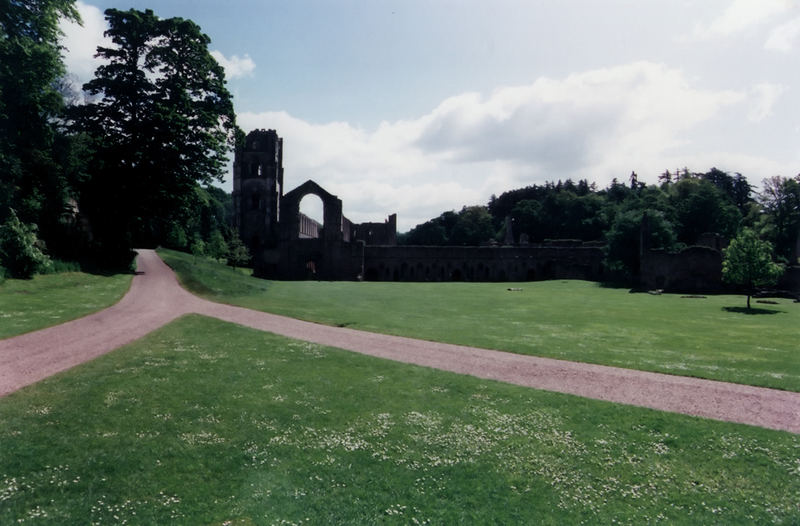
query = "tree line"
x=131 y=164
x=678 y=209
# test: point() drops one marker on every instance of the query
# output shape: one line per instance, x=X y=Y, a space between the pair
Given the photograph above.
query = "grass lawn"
x=204 y=422
x=28 y=305
x=575 y=320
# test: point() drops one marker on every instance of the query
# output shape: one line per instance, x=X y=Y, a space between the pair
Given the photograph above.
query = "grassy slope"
x=27 y=305
x=204 y=422
x=709 y=338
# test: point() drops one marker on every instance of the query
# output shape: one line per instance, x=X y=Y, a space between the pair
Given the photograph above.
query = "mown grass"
x=713 y=337
x=45 y=300
x=205 y=422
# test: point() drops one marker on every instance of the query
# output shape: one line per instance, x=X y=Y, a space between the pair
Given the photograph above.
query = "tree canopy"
x=748 y=262
x=470 y=226
x=161 y=122
x=780 y=223
x=681 y=209
x=33 y=179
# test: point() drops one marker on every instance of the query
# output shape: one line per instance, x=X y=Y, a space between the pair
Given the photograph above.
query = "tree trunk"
x=748 y=302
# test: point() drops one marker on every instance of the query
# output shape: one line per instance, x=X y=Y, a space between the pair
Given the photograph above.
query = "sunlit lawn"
x=204 y=422
x=27 y=305
x=709 y=337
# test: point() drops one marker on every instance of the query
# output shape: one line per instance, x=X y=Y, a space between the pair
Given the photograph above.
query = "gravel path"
x=155 y=299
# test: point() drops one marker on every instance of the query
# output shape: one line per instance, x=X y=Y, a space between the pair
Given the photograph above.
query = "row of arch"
x=463 y=271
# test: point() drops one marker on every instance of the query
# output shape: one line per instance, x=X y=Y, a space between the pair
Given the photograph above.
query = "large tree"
x=161 y=122
x=780 y=200
x=748 y=263
x=32 y=178
x=699 y=207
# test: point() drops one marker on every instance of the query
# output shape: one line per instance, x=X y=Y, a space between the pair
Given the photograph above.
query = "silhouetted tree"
x=33 y=180
x=161 y=122
x=780 y=200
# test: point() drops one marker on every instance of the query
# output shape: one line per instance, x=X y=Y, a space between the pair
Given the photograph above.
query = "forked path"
x=155 y=298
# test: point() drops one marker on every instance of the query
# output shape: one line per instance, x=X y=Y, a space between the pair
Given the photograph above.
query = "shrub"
x=238 y=254
x=21 y=251
x=198 y=248
x=217 y=248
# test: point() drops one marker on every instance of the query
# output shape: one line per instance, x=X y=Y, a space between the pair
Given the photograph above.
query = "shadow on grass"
x=616 y=285
x=754 y=310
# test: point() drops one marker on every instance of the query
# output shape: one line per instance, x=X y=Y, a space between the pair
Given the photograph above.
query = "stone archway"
x=290 y=212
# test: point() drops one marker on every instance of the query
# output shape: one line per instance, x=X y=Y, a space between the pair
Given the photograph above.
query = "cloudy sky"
x=422 y=106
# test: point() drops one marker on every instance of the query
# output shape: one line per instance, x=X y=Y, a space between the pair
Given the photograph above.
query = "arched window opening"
x=311 y=217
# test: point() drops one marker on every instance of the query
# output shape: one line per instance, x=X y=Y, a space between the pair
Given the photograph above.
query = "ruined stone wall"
x=377 y=233
x=313 y=259
x=694 y=269
x=430 y=263
x=790 y=280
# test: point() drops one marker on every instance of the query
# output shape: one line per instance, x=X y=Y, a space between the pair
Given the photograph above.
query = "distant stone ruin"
x=287 y=244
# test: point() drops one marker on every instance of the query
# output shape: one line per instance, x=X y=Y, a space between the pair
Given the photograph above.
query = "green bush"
x=238 y=253
x=216 y=247
x=21 y=251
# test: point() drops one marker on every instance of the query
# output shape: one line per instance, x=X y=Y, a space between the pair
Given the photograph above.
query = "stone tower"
x=257 y=189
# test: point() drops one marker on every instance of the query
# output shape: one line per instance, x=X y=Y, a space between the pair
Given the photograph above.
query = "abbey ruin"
x=286 y=244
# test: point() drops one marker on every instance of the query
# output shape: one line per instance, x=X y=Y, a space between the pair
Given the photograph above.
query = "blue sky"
x=417 y=107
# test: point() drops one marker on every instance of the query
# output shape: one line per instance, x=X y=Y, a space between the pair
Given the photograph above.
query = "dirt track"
x=155 y=299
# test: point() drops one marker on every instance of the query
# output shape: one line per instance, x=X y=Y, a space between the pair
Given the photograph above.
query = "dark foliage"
x=37 y=167
x=161 y=123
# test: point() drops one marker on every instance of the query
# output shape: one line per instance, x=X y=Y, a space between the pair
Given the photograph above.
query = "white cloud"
x=635 y=109
x=596 y=125
x=783 y=37
x=740 y=16
x=765 y=96
x=235 y=66
x=80 y=42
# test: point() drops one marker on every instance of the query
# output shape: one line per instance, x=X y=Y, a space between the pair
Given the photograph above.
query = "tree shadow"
x=751 y=311
x=616 y=285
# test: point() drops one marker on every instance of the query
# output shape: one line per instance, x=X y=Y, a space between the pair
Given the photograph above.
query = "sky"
x=416 y=107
